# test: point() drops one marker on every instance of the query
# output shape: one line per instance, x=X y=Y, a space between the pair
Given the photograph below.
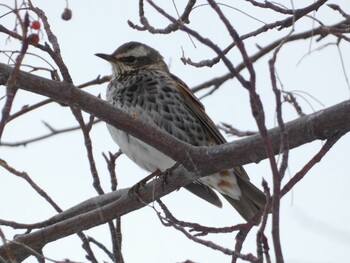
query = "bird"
x=142 y=86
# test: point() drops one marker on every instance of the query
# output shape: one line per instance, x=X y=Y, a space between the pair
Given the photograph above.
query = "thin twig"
x=27 y=178
x=39 y=256
x=307 y=167
x=85 y=128
x=111 y=167
x=337 y=8
x=169 y=223
x=229 y=129
x=195 y=227
x=262 y=243
x=174 y=26
x=101 y=246
x=117 y=243
x=56 y=53
x=56 y=56
x=53 y=132
x=11 y=89
x=320 y=31
x=290 y=98
x=278 y=175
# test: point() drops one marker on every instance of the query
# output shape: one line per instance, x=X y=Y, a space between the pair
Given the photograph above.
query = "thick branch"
x=322 y=125
x=94 y=212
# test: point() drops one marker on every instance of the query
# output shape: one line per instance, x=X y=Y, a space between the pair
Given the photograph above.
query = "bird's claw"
x=136 y=187
x=167 y=173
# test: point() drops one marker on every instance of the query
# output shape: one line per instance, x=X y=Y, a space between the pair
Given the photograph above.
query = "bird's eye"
x=129 y=59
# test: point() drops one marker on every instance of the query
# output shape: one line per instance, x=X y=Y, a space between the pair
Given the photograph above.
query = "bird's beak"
x=107 y=57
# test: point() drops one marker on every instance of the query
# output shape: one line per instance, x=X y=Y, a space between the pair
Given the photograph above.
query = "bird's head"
x=134 y=56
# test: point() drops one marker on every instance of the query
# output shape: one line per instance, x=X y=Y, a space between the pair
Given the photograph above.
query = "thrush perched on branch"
x=142 y=86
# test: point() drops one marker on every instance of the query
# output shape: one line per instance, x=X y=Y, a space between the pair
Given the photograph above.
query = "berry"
x=35 y=25
x=33 y=39
x=67 y=14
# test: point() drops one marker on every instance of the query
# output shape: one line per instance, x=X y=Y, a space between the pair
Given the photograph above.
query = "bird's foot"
x=166 y=173
x=135 y=188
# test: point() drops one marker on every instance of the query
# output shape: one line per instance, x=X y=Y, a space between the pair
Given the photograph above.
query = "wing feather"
x=197 y=108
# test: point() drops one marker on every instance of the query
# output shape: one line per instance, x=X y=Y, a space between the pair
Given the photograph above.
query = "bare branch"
x=194 y=227
x=229 y=129
x=27 y=178
x=42 y=137
x=11 y=89
x=261 y=240
x=319 y=125
x=317 y=158
x=111 y=167
x=102 y=247
x=290 y=98
x=337 y=8
x=169 y=223
x=97 y=81
x=321 y=31
x=278 y=175
x=85 y=128
x=56 y=53
x=174 y=26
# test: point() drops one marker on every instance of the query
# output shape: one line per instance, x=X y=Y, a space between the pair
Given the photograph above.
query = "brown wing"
x=252 y=199
x=197 y=108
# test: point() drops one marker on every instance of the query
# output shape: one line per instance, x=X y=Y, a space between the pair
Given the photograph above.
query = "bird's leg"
x=166 y=173
x=135 y=188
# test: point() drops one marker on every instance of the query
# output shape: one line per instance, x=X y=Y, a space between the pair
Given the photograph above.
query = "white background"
x=314 y=216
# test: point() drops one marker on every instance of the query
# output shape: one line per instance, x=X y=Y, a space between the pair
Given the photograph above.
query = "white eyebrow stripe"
x=136 y=52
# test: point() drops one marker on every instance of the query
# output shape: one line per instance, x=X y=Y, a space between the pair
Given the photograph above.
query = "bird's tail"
x=251 y=201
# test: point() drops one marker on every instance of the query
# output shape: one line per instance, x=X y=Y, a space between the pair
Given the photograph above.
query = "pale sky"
x=314 y=216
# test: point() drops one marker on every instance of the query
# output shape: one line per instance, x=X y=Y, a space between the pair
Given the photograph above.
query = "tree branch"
x=320 y=125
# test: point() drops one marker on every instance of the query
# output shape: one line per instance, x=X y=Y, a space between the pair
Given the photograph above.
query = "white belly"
x=151 y=160
x=141 y=153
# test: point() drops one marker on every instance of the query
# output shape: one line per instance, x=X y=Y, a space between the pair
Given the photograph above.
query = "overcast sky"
x=314 y=216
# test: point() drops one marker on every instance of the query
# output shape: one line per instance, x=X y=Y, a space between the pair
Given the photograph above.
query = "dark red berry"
x=33 y=39
x=67 y=14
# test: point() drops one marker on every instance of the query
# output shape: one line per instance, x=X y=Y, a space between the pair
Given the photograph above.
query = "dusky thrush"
x=142 y=86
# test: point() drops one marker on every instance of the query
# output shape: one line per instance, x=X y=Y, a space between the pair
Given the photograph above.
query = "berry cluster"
x=34 y=37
